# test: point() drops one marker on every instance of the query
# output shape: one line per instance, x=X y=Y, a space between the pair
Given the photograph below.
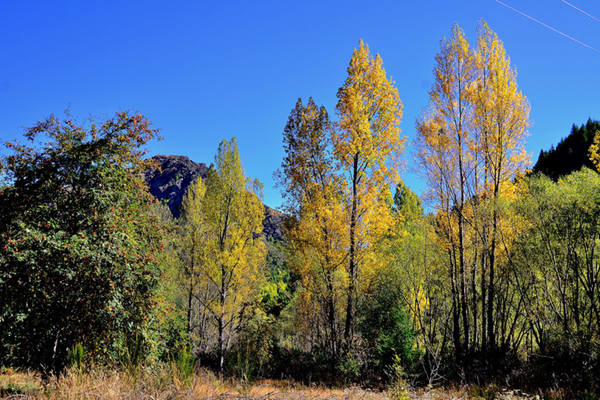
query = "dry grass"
x=163 y=385
x=166 y=384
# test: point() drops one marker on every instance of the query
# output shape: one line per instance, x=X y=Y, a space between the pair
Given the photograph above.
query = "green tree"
x=414 y=285
x=385 y=326
x=570 y=154
x=79 y=245
x=229 y=254
x=193 y=235
x=558 y=257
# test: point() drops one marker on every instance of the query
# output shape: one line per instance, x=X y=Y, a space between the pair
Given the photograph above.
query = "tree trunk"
x=491 y=292
x=190 y=295
x=220 y=345
x=352 y=266
x=220 y=321
x=331 y=321
x=483 y=303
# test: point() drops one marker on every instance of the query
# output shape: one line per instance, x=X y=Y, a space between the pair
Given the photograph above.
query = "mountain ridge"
x=173 y=175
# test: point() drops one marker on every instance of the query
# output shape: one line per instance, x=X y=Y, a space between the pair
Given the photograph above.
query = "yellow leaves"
x=471 y=147
x=501 y=110
x=367 y=144
x=367 y=147
x=594 y=151
x=421 y=304
x=472 y=137
x=369 y=110
x=316 y=234
x=222 y=221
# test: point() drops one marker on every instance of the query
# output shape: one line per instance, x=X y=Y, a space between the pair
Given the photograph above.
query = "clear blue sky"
x=203 y=71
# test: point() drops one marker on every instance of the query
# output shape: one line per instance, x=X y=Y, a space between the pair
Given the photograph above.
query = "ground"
x=166 y=384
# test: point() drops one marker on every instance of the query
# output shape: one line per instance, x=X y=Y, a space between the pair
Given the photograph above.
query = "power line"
x=581 y=11
x=548 y=26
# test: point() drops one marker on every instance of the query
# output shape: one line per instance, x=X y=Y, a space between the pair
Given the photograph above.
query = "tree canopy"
x=78 y=243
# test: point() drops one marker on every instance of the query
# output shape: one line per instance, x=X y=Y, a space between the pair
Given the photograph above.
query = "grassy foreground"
x=167 y=383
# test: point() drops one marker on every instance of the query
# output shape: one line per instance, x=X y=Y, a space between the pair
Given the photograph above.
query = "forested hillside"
x=570 y=154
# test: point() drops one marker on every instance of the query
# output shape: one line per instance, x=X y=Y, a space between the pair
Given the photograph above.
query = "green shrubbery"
x=78 y=245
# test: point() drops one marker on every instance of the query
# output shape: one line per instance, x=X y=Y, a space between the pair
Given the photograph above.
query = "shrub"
x=78 y=246
x=398 y=388
x=252 y=350
x=185 y=364
x=76 y=357
x=388 y=336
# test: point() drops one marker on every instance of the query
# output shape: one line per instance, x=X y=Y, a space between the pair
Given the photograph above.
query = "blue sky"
x=203 y=71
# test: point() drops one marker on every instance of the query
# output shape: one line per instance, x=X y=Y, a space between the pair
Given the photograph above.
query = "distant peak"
x=175 y=174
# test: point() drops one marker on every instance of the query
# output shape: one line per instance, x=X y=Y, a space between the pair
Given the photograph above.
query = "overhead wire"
x=548 y=26
x=581 y=11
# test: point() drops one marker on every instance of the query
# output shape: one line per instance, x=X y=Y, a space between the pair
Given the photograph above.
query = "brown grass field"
x=167 y=385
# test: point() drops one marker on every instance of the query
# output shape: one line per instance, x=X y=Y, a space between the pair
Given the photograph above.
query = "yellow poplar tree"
x=471 y=147
x=191 y=242
x=367 y=147
x=315 y=231
x=443 y=136
x=232 y=264
x=502 y=121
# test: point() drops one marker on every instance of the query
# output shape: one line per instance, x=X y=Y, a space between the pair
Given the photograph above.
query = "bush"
x=76 y=357
x=568 y=361
x=350 y=368
x=185 y=364
x=252 y=350
x=78 y=246
x=388 y=336
x=398 y=388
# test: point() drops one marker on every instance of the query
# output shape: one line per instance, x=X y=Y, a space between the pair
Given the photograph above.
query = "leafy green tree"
x=79 y=246
x=225 y=251
x=406 y=203
x=277 y=292
x=385 y=327
x=190 y=249
x=168 y=320
x=555 y=269
x=414 y=283
x=558 y=257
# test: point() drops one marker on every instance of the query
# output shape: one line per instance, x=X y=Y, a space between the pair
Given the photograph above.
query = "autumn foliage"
x=492 y=276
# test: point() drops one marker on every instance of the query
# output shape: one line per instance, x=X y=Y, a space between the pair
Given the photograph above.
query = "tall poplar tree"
x=315 y=229
x=444 y=137
x=231 y=260
x=367 y=147
x=471 y=147
x=191 y=246
x=501 y=120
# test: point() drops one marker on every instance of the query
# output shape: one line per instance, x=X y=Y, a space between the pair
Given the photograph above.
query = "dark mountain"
x=273 y=223
x=570 y=154
x=175 y=174
x=172 y=178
